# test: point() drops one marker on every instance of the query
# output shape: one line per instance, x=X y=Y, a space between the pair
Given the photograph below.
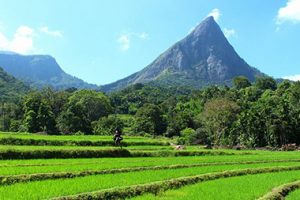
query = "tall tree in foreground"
x=82 y=108
x=218 y=117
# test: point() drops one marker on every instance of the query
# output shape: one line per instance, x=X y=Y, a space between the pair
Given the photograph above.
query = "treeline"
x=260 y=114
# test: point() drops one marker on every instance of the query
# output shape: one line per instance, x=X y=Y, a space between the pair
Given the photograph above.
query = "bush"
x=79 y=133
x=188 y=136
x=107 y=125
x=15 y=125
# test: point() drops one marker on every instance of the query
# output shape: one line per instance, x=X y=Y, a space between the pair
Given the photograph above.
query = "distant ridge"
x=10 y=87
x=40 y=71
x=202 y=58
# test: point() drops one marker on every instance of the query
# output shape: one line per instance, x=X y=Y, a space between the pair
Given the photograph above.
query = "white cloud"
x=290 y=12
x=22 y=41
x=53 y=33
x=143 y=36
x=4 y=43
x=124 y=41
x=215 y=13
x=229 y=32
x=295 y=77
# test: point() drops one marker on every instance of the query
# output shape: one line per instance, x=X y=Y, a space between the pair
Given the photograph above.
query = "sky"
x=101 y=41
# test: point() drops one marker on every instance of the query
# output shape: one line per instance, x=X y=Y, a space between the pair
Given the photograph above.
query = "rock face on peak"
x=202 y=58
x=40 y=71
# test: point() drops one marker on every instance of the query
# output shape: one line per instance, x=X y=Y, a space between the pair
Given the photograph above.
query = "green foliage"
x=107 y=125
x=265 y=83
x=218 y=117
x=149 y=119
x=9 y=112
x=83 y=107
x=188 y=136
x=272 y=120
x=38 y=115
x=252 y=115
x=11 y=89
x=130 y=99
x=241 y=82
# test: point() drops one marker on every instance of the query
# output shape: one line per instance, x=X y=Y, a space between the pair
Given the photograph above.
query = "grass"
x=13 y=167
x=43 y=174
x=82 y=140
x=245 y=187
x=293 y=195
x=95 y=171
x=31 y=148
x=76 y=137
x=59 y=187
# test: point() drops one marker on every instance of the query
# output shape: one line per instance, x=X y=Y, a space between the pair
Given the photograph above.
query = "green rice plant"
x=20 y=152
x=161 y=186
x=11 y=167
x=73 y=137
x=30 y=148
x=281 y=192
x=27 y=154
x=294 y=195
x=60 y=187
x=6 y=180
x=58 y=142
x=247 y=187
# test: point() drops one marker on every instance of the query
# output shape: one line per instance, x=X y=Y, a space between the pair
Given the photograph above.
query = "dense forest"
x=263 y=113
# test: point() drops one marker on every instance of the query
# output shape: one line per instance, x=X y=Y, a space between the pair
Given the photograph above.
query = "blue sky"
x=102 y=41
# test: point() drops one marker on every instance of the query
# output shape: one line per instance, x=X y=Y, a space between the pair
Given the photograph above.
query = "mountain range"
x=204 y=57
x=40 y=71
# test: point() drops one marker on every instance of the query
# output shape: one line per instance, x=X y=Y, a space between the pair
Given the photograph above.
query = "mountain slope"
x=202 y=58
x=10 y=87
x=40 y=71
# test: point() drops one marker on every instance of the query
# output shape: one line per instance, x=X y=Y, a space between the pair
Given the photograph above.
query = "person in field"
x=118 y=137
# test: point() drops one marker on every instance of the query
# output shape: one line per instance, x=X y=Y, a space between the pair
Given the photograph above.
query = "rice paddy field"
x=91 y=167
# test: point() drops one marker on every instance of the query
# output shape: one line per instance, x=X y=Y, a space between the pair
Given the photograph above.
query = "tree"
x=149 y=119
x=241 y=82
x=46 y=118
x=218 y=117
x=38 y=114
x=272 y=120
x=31 y=108
x=265 y=83
x=83 y=107
x=187 y=136
x=107 y=125
x=30 y=122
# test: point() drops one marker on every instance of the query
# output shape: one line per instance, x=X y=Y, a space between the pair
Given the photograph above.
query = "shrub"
x=107 y=125
x=188 y=136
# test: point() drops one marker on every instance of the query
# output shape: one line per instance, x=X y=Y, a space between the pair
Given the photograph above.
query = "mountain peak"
x=207 y=22
x=202 y=58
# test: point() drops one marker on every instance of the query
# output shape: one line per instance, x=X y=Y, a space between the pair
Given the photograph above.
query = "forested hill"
x=10 y=87
x=264 y=113
x=202 y=58
x=40 y=71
